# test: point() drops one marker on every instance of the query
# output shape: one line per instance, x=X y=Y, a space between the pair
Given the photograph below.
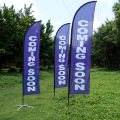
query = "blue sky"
x=62 y=11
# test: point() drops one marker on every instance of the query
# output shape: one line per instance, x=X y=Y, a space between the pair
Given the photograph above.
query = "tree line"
x=13 y=26
x=106 y=42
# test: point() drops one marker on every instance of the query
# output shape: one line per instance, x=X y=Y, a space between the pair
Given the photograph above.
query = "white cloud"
x=20 y=4
x=6 y=2
x=96 y=24
x=101 y=1
x=110 y=2
x=56 y=26
x=17 y=5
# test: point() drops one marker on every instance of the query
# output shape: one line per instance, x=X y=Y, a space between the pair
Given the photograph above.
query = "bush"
x=21 y=69
x=12 y=69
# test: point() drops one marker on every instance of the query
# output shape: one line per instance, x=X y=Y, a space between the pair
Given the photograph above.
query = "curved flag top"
x=31 y=60
x=61 y=56
x=81 y=40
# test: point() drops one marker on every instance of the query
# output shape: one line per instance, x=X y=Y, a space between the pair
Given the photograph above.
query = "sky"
x=62 y=11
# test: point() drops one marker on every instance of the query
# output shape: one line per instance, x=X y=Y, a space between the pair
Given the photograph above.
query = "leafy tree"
x=104 y=47
x=46 y=44
x=106 y=42
x=116 y=10
x=13 y=26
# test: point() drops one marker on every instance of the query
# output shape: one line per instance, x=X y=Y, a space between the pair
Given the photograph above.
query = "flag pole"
x=69 y=77
x=25 y=105
x=71 y=49
x=23 y=79
x=23 y=72
x=69 y=72
x=59 y=64
x=54 y=66
x=23 y=91
x=70 y=66
x=54 y=80
x=68 y=99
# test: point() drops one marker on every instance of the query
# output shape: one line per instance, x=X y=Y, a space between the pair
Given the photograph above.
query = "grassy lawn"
x=103 y=102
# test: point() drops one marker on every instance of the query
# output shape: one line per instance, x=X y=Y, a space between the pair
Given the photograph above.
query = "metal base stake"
x=22 y=106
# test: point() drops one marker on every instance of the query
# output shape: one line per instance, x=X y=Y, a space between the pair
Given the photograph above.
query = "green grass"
x=103 y=102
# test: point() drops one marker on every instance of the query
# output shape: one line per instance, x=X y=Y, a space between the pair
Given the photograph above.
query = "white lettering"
x=80 y=66
x=62 y=37
x=79 y=74
x=32 y=88
x=61 y=77
x=81 y=49
x=32 y=44
x=31 y=83
x=32 y=38
x=61 y=73
x=31 y=72
x=80 y=56
x=62 y=47
x=31 y=64
x=62 y=82
x=62 y=42
x=31 y=58
x=83 y=23
x=81 y=87
x=31 y=49
x=61 y=67
x=80 y=37
x=61 y=55
x=79 y=81
x=31 y=78
x=82 y=30
x=61 y=60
